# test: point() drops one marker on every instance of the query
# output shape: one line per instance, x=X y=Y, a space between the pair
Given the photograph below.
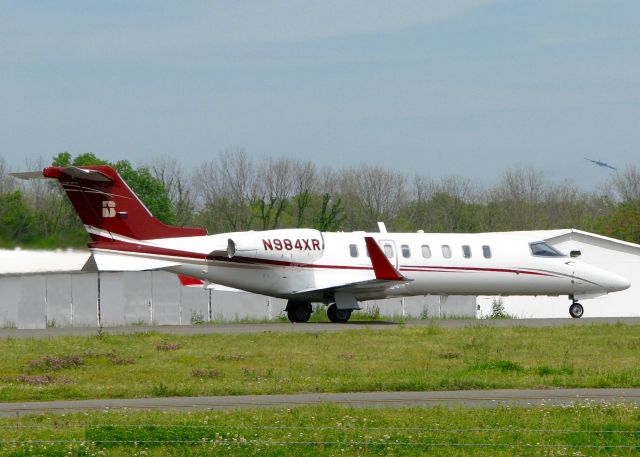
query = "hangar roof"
x=548 y=235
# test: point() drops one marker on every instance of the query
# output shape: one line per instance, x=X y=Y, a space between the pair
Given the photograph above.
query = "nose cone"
x=614 y=283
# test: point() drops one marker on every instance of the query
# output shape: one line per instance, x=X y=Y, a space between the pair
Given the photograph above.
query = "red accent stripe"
x=282 y=263
x=442 y=269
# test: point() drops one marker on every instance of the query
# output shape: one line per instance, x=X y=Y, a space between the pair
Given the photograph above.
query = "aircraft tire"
x=299 y=312
x=339 y=316
x=576 y=310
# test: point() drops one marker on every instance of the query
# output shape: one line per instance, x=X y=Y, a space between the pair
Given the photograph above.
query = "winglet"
x=381 y=265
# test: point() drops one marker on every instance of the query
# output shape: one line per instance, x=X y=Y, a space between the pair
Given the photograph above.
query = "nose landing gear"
x=576 y=310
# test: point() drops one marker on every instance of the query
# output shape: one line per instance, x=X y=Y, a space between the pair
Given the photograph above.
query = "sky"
x=439 y=87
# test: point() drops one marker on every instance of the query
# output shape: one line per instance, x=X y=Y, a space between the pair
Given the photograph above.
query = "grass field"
x=429 y=358
x=332 y=430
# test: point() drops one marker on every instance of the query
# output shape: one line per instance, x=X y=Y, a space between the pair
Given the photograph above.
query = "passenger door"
x=389 y=249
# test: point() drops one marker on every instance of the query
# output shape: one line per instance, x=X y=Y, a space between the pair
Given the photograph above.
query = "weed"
x=118 y=360
x=197 y=317
x=497 y=309
x=373 y=313
x=249 y=373
x=211 y=373
x=56 y=363
x=545 y=370
x=449 y=355
x=502 y=365
x=167 y=347
x=35 y=379
x=230 y=357
x=161 y=390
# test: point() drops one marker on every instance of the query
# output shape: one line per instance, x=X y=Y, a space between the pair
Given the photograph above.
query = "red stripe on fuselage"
x=442 y=269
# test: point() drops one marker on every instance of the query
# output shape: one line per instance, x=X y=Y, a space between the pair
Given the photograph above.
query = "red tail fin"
x=108 y=207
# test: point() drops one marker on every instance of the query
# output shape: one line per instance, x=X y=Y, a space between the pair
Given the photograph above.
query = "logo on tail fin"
x=108 y=208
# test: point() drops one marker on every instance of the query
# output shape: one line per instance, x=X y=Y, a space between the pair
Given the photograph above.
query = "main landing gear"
x=338 y=315
x=576 y=310
x=298 y=311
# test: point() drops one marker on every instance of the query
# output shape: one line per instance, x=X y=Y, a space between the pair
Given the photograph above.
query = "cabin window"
x=486 y=252
x=466 y=251
x=446 y=251
x=353 y=250
x=406 y=252
x=388 y=250
x=426 y=251
x=542 y=249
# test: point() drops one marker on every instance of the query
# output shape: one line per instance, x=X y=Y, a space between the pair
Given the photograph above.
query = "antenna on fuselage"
x=381 y=227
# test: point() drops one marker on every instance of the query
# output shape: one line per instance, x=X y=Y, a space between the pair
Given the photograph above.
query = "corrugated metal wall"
x=115 y=299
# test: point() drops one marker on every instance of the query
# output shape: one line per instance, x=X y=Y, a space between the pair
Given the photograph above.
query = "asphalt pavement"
x=468 y=398
x=312 y=327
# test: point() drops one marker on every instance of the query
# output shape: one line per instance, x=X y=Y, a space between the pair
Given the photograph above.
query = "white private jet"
x=306 y=265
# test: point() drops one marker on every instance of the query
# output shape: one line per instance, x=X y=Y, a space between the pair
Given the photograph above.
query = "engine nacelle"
x=287 y=245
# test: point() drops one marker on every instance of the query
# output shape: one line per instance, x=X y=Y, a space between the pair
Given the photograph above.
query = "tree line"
x=233 y=192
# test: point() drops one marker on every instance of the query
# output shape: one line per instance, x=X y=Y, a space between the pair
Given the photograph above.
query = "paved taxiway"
x=229 y=329
x=469 y=398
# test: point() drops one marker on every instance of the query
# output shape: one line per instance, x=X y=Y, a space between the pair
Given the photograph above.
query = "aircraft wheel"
x=576 y=310
x=299 y=311
x=338 y=315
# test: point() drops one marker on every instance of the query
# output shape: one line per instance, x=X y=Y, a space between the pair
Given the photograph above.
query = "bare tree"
x=373 y=194
x=7 y=183
x=443 y=205
x=516 y=203
x=169 y=171
x=305 y=185
x=226 y=185
x=626 y=184
x=274 y=188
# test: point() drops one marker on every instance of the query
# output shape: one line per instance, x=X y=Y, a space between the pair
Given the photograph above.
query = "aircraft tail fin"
x=108 y=208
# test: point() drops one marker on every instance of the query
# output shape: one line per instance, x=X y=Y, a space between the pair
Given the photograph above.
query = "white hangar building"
x=613 y=255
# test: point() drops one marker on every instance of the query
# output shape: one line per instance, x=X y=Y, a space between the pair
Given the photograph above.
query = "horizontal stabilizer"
x=71 y=172
x=28 y=175
x=78 y=173
x=111 y=261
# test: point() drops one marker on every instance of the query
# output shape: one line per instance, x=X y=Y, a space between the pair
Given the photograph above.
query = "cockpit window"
x=542 y=249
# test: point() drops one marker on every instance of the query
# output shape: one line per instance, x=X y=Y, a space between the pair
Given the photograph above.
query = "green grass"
x=579 y=430
x=404 y=359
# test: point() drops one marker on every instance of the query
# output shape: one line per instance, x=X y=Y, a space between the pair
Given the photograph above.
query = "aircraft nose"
x=614 y=283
